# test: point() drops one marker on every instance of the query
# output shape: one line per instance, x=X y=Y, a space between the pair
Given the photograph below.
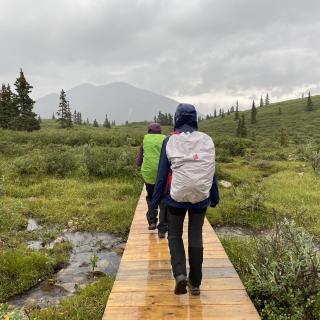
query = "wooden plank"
x=179 y=312
x=143 y=288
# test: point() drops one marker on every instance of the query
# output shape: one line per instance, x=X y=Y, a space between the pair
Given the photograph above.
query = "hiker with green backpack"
x=148 y=160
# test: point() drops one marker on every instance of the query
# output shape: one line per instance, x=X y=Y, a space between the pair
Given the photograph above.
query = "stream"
x=77 y=273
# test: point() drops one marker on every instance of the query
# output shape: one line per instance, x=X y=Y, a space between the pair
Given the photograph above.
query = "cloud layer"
x=207 y=51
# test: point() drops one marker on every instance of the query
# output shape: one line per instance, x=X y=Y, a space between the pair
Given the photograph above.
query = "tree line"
x=16 y=108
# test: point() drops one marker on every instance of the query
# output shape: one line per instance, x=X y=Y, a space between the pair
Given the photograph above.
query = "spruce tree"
x=68 y=115
x=253 y=113
x=53 y=117
x=228 y=112
x=243 y=126
x=232 y=109
x=106 y=123
x=267 y=101
x=222 y=114
x=283 y=137
x=26 y=119
x=5 y=107
x=215 y=113
x=241 y=131
x=236 y=115
x=64 y=113
x=95 y=123
x=309 y=103
x=261 y=102
x=75 y=117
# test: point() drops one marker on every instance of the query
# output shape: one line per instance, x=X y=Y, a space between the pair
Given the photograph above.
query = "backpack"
x=192 y=157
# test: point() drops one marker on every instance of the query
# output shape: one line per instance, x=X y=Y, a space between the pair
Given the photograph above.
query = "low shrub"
x=60 y=162
x=284 y=280
x=110 y=162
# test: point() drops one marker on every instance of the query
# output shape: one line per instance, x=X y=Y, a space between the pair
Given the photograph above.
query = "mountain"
x=120 y=101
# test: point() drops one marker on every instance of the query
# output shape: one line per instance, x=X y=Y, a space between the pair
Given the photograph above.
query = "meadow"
x=85 y=179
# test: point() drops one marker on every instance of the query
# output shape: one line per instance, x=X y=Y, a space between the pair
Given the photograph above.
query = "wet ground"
x=79 y=271
x=225 y=231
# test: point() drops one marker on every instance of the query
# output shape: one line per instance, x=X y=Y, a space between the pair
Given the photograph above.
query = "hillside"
x=299 y=123
x=121 y=101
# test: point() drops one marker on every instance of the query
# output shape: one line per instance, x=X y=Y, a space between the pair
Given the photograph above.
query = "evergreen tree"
x=39 y=119
x=228 y=112
x=64 y=113
x=88 y=122
x=261 y=102
x=6 y=107
x=215 y=113
x=95 y=123
x=53 y=117
x=75 y=117
x=253 y=113
x=222 y=114
x=236 y=115
x=309 y=103
x=232 y=109
x=79 y=118
x=283 y=137
x=26 y=119
x=106 y=123
x=241 y=129
x=267 y=101
x=69 y=115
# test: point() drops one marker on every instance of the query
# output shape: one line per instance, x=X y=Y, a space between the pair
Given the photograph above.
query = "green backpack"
x=152 y=144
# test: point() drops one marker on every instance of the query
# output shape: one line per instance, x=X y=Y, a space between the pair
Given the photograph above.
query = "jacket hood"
x=154 y=127
x=185 y=118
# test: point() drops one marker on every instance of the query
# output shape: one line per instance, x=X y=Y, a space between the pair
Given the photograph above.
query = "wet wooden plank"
x=143 y=288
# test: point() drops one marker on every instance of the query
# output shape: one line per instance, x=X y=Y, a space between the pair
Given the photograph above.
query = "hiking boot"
x=181 y=284
x=161 y=234
x=152 y=226
x=195 y=291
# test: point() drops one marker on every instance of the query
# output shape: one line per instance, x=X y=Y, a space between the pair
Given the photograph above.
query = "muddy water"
x=32 y=225
x=78 y=273
x=225 y=231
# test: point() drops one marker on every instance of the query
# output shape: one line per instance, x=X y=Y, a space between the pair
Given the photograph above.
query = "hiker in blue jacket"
x=187 y=158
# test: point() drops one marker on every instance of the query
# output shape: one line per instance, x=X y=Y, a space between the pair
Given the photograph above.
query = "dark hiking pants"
x=195 y=244
x=152 y=214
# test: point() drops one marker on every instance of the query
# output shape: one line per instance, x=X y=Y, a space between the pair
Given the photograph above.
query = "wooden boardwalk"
x=143 y=288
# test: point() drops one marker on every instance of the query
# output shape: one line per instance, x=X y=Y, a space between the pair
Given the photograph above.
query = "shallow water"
x=239 y=231
x=32 y=225
x=76 y=274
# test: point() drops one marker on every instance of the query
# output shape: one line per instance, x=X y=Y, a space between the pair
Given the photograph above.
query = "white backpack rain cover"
x=192 y=157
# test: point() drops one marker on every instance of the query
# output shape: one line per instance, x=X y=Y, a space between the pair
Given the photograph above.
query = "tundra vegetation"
x=84 y=178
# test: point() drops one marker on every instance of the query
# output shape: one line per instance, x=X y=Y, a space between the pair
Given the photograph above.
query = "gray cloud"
x=212 y=51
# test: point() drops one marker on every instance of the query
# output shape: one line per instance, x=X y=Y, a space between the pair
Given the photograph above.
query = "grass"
x=85 y=179
x=87 y=304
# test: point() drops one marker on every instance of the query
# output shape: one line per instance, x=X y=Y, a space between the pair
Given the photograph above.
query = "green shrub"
x=233 y=146
x=60 y=162
x=110 y=162
x=30 y=164
x=284 y=280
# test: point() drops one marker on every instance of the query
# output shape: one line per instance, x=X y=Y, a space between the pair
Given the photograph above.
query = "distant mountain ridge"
x=120 y=101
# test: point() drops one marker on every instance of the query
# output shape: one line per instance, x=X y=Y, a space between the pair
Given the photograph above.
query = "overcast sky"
x=208 y=52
